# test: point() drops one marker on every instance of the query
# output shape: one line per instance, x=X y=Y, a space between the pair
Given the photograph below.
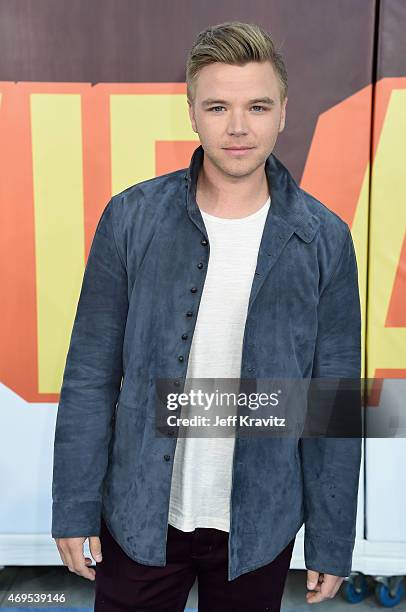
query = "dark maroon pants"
x=124 y=584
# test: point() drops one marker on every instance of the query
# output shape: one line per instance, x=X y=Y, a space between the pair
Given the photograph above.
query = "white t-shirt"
x=202 y=470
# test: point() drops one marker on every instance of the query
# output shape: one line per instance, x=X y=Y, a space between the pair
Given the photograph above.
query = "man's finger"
x=95 y=548
x=312 y=579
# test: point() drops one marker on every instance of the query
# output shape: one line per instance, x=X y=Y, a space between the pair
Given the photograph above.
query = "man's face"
x=237 y=106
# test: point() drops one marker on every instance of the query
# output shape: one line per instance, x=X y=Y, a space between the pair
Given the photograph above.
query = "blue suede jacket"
x=134 y=322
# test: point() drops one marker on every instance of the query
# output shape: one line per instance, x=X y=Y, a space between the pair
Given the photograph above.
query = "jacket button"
x=204 y=242
x=184 y=336
x=180 y=358
x=189 y=313
x=200 y=265
x=176 y=383
x=167 y=457
x=251 y=369
x=193 y=289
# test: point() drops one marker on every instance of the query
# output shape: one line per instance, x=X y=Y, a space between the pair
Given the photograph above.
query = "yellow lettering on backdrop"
x=137 y=121
x=386 y=345
x=59 y=231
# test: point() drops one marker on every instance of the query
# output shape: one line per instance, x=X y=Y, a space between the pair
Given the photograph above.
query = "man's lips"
x=236 y=151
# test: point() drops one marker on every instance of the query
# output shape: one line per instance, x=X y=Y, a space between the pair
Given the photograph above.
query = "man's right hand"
x=71 y=552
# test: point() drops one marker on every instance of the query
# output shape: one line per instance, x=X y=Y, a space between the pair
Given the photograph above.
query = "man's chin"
x=239 y=167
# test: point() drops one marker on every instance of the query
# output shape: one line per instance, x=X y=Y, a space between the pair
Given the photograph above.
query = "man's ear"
x=192 y=116
x=283 y=115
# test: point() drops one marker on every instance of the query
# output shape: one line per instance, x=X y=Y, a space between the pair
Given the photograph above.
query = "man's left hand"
x=322 y=586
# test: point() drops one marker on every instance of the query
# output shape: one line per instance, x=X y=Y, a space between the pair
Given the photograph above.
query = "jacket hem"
x=160 y=563
x=264 y=561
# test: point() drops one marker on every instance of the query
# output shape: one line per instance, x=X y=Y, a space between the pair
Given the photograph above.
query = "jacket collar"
x=288 y=214
x=287 y=201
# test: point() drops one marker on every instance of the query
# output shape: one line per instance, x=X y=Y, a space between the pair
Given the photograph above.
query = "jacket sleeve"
x=331 y=466
x=90 y=388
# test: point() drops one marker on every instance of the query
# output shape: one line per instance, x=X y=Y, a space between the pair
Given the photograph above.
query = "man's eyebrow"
x=265 y=100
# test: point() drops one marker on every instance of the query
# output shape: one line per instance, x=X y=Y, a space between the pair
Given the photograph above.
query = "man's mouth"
x=238 y=150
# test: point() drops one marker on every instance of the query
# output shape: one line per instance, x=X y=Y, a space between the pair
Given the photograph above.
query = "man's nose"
x=237 y=124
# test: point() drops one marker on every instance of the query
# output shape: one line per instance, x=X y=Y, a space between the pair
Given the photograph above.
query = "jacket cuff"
x=328 y=554
x=76 y=519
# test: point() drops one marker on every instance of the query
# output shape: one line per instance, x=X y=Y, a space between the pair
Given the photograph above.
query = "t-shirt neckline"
x=250 y=217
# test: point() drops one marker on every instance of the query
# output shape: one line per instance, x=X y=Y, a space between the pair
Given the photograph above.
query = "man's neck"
x=232 y=198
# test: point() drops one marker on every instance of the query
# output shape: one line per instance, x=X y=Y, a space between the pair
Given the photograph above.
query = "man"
x=223 y=269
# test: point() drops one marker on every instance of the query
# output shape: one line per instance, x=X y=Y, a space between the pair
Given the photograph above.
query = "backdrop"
x=92 y=100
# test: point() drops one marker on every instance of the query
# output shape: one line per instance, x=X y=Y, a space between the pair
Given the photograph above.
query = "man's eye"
x=257 y=106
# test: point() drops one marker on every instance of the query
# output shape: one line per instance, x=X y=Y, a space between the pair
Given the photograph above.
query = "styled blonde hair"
x=233 y=42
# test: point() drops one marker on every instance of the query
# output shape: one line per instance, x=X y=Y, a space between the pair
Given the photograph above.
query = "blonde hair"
x=233 y=42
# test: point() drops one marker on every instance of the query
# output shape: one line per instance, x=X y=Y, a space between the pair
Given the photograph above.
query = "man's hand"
x=323 y=586
x=71 y=552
